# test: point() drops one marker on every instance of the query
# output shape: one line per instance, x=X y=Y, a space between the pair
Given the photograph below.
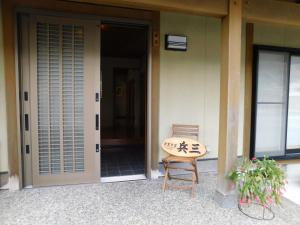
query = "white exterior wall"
x=282 y=36
x=198 y=69
x=190 y=81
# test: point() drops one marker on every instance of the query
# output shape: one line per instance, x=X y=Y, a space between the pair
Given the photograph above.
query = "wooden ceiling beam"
x=267 y=11
x=217 y=8
x=271 y=11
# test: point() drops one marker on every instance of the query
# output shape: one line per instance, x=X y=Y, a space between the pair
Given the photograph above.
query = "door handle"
x=101 y=90
x=97 y=121
x=26 y=122
x=97 y=148
x=27 y=149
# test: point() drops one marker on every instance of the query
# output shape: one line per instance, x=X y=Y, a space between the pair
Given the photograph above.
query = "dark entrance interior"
x=123 y=102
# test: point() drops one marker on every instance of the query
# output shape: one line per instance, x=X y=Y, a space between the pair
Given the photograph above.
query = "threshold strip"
x=123 y=178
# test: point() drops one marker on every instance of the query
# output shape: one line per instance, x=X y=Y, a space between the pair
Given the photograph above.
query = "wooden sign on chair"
x=183 y=147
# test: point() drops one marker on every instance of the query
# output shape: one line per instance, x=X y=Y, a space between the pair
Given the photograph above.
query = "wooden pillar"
x=229 y=100
x=248 y=89
x=12 y=115
x=155 y=90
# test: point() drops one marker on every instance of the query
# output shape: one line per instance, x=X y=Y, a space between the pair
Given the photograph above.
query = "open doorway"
x=124 y=50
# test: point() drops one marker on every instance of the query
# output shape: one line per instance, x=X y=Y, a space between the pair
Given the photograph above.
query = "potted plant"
x=259 y=182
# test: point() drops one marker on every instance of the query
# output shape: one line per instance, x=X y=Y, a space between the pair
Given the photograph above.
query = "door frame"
x=291 y=52
x=10 y=10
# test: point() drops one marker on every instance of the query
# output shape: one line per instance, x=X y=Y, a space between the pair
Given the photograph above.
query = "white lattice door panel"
x=64 y=77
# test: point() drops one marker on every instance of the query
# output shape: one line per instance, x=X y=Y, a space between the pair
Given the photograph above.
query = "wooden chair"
x=189 y=131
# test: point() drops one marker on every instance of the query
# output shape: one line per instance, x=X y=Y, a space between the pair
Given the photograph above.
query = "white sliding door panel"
x=293 y=131
x=64 y=73
x=271 y=103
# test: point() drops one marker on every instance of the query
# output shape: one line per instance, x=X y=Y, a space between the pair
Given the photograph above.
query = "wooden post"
x=248 y=89
x=155 y=90
x=229 y=100
x=12 y=113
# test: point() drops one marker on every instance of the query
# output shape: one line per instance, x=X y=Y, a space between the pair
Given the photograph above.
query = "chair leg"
x=166 y=164
x=196 y=171
x=166 y=178
x=193 y=184
x=194 y=179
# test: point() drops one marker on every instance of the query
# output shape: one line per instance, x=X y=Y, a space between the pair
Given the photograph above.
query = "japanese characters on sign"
x=183 y=147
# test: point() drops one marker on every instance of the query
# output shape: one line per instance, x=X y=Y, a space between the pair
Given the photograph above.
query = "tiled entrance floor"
x=122 y=161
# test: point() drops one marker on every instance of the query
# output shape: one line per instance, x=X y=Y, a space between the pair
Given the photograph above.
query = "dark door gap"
x=124 y=51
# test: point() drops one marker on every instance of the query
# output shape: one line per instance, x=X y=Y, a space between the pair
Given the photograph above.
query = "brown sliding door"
x=64 y=79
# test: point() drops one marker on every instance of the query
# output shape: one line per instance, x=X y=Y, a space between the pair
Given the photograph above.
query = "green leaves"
x=259 y=180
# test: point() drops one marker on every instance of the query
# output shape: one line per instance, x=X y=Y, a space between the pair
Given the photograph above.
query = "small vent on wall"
x=175 y=42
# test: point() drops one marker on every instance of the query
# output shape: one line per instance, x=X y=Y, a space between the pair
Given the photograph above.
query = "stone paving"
x=135 y=202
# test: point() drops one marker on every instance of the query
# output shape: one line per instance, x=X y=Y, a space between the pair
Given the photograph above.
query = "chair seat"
x=172 y=158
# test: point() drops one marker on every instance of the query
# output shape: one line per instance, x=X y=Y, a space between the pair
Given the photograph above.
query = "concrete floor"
x=293 y=187
x=134 y=203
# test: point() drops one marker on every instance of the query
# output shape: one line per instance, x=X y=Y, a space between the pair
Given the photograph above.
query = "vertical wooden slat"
x=33 y=99
x=230 y=94
x=73 y=88
x=78 y=77
x=248 y=89
x=67 y=100
x=61 y=119
x=49 y=142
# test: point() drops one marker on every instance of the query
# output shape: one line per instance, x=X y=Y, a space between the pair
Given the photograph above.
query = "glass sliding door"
x=276 y=103
x=271 y=103
x=293 y=128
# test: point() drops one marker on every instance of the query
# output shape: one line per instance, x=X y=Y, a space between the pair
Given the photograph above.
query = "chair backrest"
x=182 y=130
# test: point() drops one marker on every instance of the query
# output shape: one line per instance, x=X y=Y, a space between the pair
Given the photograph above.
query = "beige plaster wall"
x=277 y=35
x=190 y=81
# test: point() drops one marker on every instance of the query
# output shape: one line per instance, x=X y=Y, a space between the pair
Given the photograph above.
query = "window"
x=276 y=102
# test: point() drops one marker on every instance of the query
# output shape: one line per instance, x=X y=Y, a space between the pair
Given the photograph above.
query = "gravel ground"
x=135 y=202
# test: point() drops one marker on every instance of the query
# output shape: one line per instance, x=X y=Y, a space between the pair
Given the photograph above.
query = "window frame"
x=288 y=154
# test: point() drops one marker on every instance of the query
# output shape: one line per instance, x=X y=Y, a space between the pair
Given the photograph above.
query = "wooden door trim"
x=248 y=89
